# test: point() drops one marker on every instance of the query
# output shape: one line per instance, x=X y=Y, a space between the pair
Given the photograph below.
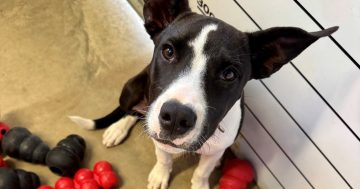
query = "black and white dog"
x=194 y=85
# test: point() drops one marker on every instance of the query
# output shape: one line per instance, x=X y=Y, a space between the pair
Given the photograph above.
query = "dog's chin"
x=170 y=147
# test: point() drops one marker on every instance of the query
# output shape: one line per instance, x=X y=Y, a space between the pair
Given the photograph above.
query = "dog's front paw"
x=114 y=135
x=159 y=176
x=117 y=132
x=199 y=183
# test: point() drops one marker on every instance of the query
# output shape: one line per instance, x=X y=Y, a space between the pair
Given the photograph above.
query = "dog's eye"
x=229 y=74
x=168 y=52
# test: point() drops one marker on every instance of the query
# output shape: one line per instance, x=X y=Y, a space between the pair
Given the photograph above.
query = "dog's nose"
x=176 y=118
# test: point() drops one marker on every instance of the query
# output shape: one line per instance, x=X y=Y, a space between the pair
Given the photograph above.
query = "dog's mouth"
x=165 y=141
x=170 y=143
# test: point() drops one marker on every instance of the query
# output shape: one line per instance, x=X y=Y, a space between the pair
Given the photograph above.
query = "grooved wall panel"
x=302 y=125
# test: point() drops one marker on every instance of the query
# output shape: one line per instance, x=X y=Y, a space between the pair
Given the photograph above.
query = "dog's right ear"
x=158 y=14
x=135 y=91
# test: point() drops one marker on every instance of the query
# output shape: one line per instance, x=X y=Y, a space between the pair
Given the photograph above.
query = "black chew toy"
x=18 y=179
x=66 y=157
x=19 y=143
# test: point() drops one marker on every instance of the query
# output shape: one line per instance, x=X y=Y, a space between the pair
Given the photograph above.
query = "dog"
x=194 y=85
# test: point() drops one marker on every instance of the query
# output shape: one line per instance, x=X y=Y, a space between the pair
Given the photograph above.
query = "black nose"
x=176 y=118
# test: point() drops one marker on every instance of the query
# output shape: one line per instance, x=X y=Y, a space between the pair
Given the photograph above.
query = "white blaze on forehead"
x=187 y=89
x=199 y=62
x=193 y=81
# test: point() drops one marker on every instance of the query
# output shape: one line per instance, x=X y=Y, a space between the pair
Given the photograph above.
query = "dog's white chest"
x=221 y=140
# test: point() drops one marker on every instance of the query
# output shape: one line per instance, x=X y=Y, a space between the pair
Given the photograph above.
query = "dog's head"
x=199 y=68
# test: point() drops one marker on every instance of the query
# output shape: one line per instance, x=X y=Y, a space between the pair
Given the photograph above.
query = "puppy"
x=194 y=83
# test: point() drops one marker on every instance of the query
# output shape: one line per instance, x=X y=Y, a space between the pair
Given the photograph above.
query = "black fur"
x=110 y=118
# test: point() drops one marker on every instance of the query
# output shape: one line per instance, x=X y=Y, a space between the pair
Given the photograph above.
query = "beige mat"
x=66 y=57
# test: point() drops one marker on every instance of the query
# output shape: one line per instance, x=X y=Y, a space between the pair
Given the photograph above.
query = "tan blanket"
x=72 y=57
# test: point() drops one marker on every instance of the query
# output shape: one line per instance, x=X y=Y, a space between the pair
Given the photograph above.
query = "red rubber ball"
x=45 y=187
x=89 y=184
x=108 y=179
x=230 y=182
x=83 y=174
x=64 y=183
x=102 y=166
x=239 y=169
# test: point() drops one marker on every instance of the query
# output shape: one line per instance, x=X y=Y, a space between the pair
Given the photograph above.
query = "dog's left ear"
x=274 y=47
x=158 y=14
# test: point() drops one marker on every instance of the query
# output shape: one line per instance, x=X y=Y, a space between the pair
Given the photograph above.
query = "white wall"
x=302 y=125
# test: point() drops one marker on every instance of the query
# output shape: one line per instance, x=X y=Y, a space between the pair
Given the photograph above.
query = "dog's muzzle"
x=176 y=119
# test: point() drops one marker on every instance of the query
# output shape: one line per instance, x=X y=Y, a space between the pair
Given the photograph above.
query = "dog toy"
x=237 y=174
x=64 y=183
x=3 y=130
x=105 y=175
x=61 y=183
x=19 y=143
x=2 y=162
x=66 y=157
x=18 y=179
x=102 y=176
x=84 y=178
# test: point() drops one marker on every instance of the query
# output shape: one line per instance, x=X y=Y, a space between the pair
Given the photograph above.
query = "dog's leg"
x=160 y=174
x=118 y=131
x=200 y=179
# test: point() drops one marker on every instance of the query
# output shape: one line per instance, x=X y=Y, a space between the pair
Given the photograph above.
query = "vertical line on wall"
x=253 y=149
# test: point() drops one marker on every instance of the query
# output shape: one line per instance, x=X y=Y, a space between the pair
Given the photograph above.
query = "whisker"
x=211 y=107
x=144 y=132
x=207 y=142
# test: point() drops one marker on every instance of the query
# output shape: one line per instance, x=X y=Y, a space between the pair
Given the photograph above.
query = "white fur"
x=222 y=140
x=214 y=147
x=187 y=89
x=160 y=174
x=83 y=122
x=118 y=131
x=200 y=179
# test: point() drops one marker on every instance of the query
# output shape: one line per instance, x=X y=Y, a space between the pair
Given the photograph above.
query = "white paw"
x=114 y=135
x=159 y=176
x=199 y=183
x=118 y=131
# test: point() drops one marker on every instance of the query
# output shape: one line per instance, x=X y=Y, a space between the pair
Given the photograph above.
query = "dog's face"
x=199 y=68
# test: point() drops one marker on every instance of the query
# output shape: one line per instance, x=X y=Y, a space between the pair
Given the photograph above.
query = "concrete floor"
x=72 y=57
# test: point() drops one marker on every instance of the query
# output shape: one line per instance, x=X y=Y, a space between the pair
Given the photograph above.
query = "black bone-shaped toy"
x=20 y=143
x=63 y=160
x=18 y=179
x=66 y=157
